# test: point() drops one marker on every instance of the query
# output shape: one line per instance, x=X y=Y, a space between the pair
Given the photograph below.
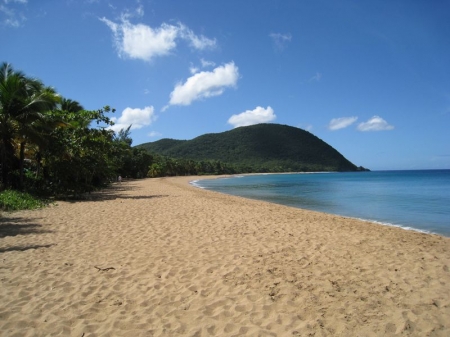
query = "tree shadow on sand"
x=23 y=248
x=115 y=191
x=13 y=226
x=10 y=226
x=137 y=197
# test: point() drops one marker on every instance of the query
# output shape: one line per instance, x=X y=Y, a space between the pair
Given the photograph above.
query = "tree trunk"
x=21 y=161
x=7 y=152
x=38 y=164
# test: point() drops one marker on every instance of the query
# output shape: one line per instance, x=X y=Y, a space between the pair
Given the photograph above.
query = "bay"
x=416 y=199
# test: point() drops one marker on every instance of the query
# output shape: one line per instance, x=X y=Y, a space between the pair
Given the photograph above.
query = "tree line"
x=51 y=144
x=163 y=166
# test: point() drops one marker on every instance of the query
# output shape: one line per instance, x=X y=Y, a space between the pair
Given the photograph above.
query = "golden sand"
x=158 y=257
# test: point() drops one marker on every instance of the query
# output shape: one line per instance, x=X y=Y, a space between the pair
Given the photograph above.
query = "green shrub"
x=11 y=200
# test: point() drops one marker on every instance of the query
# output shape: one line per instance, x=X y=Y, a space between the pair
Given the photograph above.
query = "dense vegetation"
x=50 y=145
x=256 y=148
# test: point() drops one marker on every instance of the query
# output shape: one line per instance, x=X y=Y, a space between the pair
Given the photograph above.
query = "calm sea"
x=418 y=200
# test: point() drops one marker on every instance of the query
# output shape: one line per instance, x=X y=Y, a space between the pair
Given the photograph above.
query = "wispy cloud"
x=129 y=13
x=316 y=78
x=204 y=64
x=140 y=10
x=199 y=42
x=307 y=127
x=137 y=118
x=205 y=84
x=341 y=123
x=11 y=12
x=251 y=117
x=376 y=123
x=280 y=40
x=154 y=134
x=193 y=69
x=139 y=41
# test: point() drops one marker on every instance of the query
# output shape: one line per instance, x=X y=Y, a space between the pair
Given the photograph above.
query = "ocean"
x=416 y=200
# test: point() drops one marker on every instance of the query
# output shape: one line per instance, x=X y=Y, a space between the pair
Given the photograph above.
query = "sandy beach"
x=159 y=257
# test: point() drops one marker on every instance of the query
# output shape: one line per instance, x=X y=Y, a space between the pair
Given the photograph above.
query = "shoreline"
x=160 y=257
x=379 y=222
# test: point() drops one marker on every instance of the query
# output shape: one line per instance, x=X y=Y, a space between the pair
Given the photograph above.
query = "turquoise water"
x=418 y=200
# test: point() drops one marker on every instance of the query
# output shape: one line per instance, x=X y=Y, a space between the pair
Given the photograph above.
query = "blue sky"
x=370 y=78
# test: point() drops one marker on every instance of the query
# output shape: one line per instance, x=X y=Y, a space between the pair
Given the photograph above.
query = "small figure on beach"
x=119 y=179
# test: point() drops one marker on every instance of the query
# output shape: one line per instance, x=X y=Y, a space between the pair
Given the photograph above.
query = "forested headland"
x=260 y=148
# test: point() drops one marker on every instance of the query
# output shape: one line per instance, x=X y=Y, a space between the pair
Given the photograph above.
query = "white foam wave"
x=195 y=184
x=396 y=225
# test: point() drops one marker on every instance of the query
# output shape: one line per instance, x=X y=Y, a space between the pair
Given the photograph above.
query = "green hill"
x=261 y=147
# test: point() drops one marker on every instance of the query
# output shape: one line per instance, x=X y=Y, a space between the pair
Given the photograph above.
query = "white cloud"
x=280 y=40
x=154 y=134
x=340 y=123
x=376 y=123
x=205 y=84
x=144 y=42
x=137 y=118
x=251 y=117
x=141 y=41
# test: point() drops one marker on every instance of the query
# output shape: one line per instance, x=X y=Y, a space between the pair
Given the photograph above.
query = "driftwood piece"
x=105 y=269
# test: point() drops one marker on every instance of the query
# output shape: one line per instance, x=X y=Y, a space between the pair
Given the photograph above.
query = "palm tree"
x=11 y=91
x=69 y=105
x=23 y=103
x=123 y=136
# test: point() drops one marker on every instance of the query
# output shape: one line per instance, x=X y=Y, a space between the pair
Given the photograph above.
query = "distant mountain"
x=261 y=147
